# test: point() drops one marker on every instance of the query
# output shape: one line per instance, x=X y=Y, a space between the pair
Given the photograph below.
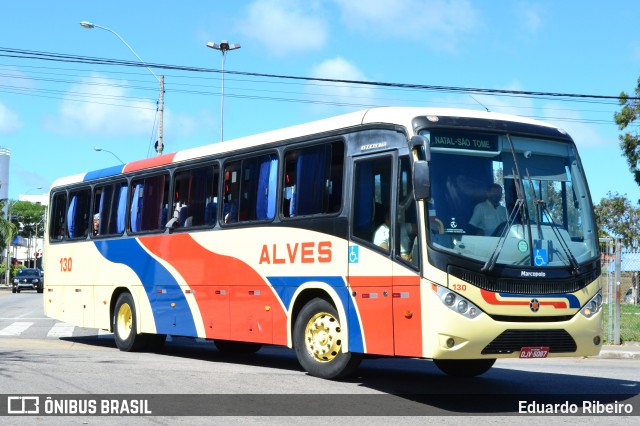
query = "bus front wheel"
x=125 y=325
x=317 y=339
x=464 y=367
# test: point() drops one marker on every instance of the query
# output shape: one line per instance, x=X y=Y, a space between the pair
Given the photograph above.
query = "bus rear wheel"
x=125 y=325
x=464 y=367
x=317 y=339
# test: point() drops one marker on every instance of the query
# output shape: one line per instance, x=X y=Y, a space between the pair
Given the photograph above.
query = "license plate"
x=534 y=352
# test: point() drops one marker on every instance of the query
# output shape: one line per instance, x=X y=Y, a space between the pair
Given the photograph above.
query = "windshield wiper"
x=519 y=205
x=491 y=262
x=542 y=205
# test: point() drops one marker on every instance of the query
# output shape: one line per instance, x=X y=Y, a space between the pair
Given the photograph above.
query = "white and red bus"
x=365 y=234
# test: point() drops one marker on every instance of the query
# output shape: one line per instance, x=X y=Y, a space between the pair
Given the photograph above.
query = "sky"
x=54 y=114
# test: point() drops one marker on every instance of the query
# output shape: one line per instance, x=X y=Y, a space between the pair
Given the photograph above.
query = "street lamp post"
x=223 y=47
x=106 y=150
x=160 y=147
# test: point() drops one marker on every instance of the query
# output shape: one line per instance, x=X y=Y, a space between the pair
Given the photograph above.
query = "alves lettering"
x=307 y=252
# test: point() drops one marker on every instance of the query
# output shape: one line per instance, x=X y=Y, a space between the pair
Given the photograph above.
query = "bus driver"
x=489 y=214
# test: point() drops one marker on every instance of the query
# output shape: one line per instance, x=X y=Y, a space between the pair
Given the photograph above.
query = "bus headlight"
x=456 y=303
x=593 y=306
x=449 y=299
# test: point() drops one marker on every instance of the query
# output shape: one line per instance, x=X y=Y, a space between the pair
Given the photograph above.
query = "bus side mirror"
x=421 y=180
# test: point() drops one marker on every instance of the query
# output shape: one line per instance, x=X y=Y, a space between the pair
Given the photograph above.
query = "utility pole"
x=160 y=121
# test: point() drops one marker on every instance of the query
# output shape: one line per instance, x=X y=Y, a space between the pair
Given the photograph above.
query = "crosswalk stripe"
x=15 y=329
x=61 y=329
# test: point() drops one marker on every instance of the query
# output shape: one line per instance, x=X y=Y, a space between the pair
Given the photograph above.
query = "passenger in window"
x=489 y=214
x=381 y=236
x=96 y=223
x=61 y=233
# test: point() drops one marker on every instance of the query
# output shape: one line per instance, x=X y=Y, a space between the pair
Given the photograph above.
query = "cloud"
x=339 y=93
x=441 y=24
x=9 y=120
x=98 y=106
x=530 y=15
x=285 y=27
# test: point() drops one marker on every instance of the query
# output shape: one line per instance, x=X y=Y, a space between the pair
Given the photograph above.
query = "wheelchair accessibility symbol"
x=540 y=258
x=354 y=254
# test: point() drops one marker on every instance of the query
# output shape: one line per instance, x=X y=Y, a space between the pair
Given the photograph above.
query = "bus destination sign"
x=468 y=141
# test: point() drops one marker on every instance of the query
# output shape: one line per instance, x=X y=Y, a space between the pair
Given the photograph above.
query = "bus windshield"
x=509 y=200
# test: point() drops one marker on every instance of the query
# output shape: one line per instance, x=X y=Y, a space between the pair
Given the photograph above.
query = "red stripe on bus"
x=148 y=163
x=224 y=284
x=491 y=298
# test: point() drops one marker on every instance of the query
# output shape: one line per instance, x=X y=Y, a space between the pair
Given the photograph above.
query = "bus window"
x=313 y=180
x=57 y=216
x=78 y=214
x=196 y=196
x=149 y=200
x=250 y=189
x=406 y=216
x=109 y=209
x=372 y=201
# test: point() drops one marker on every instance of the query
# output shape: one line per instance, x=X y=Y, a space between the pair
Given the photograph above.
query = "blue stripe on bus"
x=574 y=302
x=154 y=277
x=109 y=171
x=286 y=287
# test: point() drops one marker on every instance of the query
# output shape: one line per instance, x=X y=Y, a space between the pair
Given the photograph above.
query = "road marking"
x=61 y=329
x=31 y=319
x=15 y=329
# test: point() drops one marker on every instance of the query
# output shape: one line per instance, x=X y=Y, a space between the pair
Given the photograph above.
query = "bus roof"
x=389 y=115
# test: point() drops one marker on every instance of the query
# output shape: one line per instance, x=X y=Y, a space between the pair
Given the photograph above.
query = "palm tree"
x=7 y=231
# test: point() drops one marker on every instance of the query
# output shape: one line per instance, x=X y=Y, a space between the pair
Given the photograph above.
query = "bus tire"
x=233 y=347
x=125 y=325
x=317 y=340
x=464 y=367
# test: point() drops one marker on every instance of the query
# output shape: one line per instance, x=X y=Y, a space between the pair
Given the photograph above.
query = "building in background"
x=5 y=155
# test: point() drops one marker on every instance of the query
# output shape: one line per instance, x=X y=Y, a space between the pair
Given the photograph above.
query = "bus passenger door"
x=407 y=318
x=370 y=265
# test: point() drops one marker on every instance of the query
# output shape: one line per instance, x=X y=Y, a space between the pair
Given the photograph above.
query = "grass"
x=629 y=322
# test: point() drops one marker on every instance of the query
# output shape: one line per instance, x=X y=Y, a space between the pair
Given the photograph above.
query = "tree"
x=7 y=229
x=28 y=218
x=630 y=141
x=616 y=217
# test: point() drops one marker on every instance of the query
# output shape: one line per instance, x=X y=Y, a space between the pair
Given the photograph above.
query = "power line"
x=28 y=54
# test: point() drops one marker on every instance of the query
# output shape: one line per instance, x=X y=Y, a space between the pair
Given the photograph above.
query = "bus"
x=366 y=234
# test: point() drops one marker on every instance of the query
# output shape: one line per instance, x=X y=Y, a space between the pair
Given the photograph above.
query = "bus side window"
x=78 y=214
x=109 y=209
x=231 y=192
x=250 y=189
x=148 y=203
x=313 y=180
x=406 y=216
x=57 y=216
x=372 y=201
x=196 y=194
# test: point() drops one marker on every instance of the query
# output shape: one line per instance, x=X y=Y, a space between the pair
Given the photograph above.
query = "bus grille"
x=520 y=286
x=511 y=341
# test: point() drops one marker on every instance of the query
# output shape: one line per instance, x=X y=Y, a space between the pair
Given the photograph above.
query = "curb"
x=627 y=351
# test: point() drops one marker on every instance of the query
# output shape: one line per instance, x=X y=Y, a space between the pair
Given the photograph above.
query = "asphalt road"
x=41 y=356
